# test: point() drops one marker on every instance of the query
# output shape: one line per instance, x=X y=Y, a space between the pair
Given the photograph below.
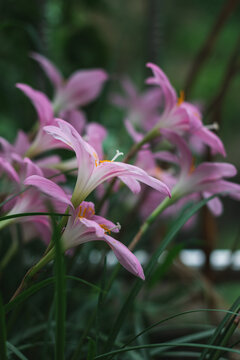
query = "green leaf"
x=41 y=284
x=150 y=267
x=163 y=268
x=152 y=346
x=7 y=217
x=175 y=316
x=60 y=294
x=15 y=351
x=222 y=332
x=3 y=336
x=91 y=349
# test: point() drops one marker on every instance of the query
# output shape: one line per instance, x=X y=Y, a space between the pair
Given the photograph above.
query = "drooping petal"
x=40 y=102
x=50 y=70
x=126 y=258
x=214 y=205
x=211 y=139
x=48 y=187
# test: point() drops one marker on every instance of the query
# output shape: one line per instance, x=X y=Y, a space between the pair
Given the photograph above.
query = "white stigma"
x=117 y=155
x=213 y=126
x=118 y=226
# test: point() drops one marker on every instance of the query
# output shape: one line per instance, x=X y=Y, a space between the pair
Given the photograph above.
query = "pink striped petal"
x=48 y=187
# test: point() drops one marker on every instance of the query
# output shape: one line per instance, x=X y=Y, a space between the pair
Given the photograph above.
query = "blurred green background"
x=121 y=36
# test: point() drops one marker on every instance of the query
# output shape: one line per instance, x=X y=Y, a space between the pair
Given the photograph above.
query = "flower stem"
x=164 y=204
x=31 y=272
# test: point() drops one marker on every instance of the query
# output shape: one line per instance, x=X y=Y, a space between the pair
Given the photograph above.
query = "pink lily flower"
x=42 y=141
x=180 y=116
x=27 y=201
x=92 y=171
x=82 y=87
x=142 y=108
x=206 y=178
x=83 y=225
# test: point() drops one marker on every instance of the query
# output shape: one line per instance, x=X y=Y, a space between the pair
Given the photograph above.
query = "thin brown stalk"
x=209 y=43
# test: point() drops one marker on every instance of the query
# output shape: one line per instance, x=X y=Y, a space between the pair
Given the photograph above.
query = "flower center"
x=107 y=230
x=118 y=153
x=85 y=212
x=181 y=98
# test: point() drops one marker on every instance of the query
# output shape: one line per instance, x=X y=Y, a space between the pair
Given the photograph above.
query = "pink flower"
x=93 y=172
x=180 y=116
x=27 y=201
x=42 y=142
x=82 y=87
x=83 y=225
x=206 y=178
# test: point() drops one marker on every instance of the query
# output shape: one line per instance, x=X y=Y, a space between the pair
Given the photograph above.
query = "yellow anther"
x=85 y=211
x=181 y=98
x=105 y=228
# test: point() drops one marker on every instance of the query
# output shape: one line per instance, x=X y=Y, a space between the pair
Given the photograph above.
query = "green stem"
x=31 y=272
x=9 y=254
x=164 y=204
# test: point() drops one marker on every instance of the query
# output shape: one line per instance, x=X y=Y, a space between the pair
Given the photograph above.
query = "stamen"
x=113 y=159
x=181 y=98
x=117 y=155
x=213 y=126
x=107 y=230
x=118 y=226
x=85 y=212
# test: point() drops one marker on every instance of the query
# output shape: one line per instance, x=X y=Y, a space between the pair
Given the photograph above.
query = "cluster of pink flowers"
x=38 y=178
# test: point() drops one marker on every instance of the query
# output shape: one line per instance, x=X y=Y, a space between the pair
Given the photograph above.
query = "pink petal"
x=126 y=258
x=214 y=205
x=81 y=88
x=6 y=167
x=51 y=71
x=48 y=187
x=40 y=102
x=76 y=118
x=213 y=171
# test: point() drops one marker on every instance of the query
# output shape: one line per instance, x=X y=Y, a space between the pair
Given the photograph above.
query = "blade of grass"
x=91 y=349
x=149 y=269
x=3 y=336
x=60 y=294
x=219 y=332
x=15 y=351
x=152 y=346
x=175 y=316
x=8 y=217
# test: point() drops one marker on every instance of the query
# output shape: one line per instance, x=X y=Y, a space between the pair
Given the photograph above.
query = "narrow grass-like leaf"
x=41 y=284
x=175 y=316
x=60 y=294
x=3 y=333
x=219 y=333
x=91 y=349
x=162 y=268
x=7 y=217
x=175 y=344
x=15 y=351
x=150 y=267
